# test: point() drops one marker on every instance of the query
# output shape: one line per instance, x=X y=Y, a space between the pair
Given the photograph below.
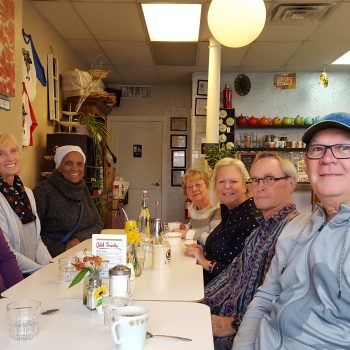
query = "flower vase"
x=135 y=260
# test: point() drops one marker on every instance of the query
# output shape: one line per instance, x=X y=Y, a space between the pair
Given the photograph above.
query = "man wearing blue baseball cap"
x=304 y=302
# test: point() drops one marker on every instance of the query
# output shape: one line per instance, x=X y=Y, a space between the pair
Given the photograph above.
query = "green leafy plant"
x=214 y=154
x=98 y=131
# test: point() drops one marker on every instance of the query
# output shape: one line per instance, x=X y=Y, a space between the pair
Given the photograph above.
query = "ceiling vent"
x=300 y=13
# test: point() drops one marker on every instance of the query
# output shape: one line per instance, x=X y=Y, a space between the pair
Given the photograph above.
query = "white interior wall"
x=308 y=99
x=165 y=102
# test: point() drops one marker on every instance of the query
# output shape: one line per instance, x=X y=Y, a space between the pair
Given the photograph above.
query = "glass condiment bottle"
x=94 y=284
x=144 y=215
x=119 y=281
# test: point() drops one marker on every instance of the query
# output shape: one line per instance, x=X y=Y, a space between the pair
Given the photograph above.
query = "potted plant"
x=96 y=128
x=215 y=153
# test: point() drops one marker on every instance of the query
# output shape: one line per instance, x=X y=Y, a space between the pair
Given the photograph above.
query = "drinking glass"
x=22 y=317
x=67 y=269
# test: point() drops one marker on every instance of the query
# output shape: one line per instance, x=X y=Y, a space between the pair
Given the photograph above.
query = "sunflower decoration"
x=324 y=79
x=99 y=293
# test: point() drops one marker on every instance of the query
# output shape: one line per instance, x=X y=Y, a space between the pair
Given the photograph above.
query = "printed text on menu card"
x=111 y=248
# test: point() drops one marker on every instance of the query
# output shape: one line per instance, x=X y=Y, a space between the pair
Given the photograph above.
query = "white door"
x=140 y=166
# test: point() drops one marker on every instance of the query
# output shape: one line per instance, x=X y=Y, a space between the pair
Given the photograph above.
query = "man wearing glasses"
x=304 y=302
x=273 y=180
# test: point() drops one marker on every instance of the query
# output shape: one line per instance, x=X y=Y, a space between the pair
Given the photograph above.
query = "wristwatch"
x=236 y=323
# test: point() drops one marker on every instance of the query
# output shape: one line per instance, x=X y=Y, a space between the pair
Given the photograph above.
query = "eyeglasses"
x=339 y=151
x=267 y=180
x=194 y=185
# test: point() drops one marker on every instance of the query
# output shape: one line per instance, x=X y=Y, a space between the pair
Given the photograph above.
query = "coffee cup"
x=161 y=256
x=129 y=331
x=111 y=305
x=173 y=226
x=173 y=238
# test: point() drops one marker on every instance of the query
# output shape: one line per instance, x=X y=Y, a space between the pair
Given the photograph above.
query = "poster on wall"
x=7 y=47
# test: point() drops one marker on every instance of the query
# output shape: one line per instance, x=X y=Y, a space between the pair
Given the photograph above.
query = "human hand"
x=196 y=251
x=222 y=326
x=72 y=242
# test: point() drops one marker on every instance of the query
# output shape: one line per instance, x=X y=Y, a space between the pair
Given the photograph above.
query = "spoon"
x=150 y=335
x=49 y=311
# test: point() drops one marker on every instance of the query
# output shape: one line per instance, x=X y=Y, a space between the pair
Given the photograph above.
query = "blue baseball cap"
x=339 y=120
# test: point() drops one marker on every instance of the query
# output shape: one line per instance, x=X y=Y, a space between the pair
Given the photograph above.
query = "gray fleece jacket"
x=57 y=202
x=304 y=302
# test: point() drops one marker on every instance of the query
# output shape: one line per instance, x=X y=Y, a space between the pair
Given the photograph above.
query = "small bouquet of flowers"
x=133 y=239
x=92 y=264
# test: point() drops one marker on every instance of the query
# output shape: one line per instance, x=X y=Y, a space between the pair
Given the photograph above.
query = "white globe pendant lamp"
x=236 y=23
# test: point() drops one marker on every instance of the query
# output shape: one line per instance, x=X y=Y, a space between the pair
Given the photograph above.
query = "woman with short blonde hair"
x=204 y=216
x=238 y=218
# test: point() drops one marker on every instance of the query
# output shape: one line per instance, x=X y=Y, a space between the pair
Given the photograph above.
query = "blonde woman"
x=18 y=216
x=238 y=219
x=204 y=216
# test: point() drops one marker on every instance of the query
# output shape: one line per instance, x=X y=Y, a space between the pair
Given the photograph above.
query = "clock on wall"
x=242 y=85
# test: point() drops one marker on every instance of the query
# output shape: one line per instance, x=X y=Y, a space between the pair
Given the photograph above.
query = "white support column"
x=213 y=98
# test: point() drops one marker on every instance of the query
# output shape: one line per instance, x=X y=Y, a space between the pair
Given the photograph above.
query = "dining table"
x=171 y=297
x=76 y=326
x=183 y=281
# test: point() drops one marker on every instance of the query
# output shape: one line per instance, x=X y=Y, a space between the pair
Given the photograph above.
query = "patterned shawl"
x=232 y=290
x=17 y=198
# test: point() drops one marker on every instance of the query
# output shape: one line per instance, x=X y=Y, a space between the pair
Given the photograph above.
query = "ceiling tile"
x=174 y=54
x=63 y=18
x=110 y=21
x=335 y=22
x=269 y=53
x=285 y=32
x=128 y=52
x=316 y=52
x=174 y=75
x=137 y=74
x=89 y=51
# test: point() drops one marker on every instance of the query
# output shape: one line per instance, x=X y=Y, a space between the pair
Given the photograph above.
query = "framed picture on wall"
x=178 y=124
x=178 y=141
x=178 y=159
x=201 y=106
x=202 y=87
x=176 y=177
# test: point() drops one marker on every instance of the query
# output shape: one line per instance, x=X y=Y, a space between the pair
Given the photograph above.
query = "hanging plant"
x=214 y=154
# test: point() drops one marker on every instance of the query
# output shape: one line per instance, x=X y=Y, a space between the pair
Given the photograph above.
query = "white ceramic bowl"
x=173 y=238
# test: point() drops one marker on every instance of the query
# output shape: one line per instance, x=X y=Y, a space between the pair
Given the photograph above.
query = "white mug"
x=173 y=226
x=129 y=331
x=161 y=256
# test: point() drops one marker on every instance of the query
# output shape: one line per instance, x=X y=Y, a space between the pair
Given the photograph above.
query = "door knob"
x=156 y=184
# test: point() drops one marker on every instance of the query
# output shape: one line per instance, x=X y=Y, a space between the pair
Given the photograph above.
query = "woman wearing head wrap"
x=65 y=207
x=18 y=217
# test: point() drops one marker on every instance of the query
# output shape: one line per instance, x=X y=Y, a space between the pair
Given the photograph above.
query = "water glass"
x=67 y=269
x=22 y=317
x=110 y=305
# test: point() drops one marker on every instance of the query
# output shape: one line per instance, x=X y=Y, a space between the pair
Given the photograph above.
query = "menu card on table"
x=112 y=248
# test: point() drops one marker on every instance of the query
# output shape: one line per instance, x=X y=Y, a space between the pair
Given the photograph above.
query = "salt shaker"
x=119 y=280
x=94 y=284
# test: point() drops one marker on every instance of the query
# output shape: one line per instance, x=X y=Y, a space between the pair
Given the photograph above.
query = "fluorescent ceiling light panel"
x=345 y=59
x=172 y=22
